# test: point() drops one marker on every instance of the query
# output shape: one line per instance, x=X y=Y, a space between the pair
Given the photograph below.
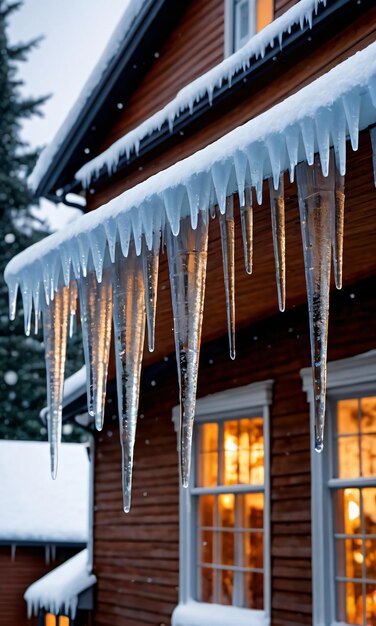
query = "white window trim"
x=357 y=374
x=189 y=612
x=230 y=25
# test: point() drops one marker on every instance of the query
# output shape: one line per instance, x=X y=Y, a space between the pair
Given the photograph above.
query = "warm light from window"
x=50 y=619
x=265 y=13
x=63 y=620
x=353 y=510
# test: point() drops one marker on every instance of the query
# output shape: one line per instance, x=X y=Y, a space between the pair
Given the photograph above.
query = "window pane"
x=226 y=510
x=348 y=417
x=256 y=452
x=63 y=620
x=371 y=605
x=206 y=546
x=243 y=18
x=348 y=457
x=369 y=510
x=371 y=558
x=253 y=550
x=350 y=603
x=226 y=548
x=230 y=452
x=253 y=591
x=368 y=445
x=50 y=619
x=349 y=558
x=206 y=593
x=368 y=414
x=252 y=510
x=347 y=505
x=225 y=586
x=207 y=470
x=265 y=13
x=206 y=510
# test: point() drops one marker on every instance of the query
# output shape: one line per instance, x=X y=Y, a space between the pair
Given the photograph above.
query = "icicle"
x=187 y=256
x=96 y=318
x=13 y=292
x=315 y=202
x=338 y=219
x=150 y=265
x=27 y=303
x=277 y=205
x=73 y=294
x=372 y=133
x=55 y=330
x=129 y=329
x=351 y=104
x=246 y=217
x=227 y=229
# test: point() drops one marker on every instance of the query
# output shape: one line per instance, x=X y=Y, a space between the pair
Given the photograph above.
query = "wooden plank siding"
x=17 y=574
x=136 y=555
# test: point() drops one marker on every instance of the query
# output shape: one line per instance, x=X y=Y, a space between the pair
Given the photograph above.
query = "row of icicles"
x=127 y=296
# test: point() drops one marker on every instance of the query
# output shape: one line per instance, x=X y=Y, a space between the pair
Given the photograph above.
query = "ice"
x=36 y=302
x=338 y=220
x=277 y=205
x=246 y=217
x=27 y=303
x=55 y=331
x=96 y=320
x=316 y=199
x=372 y=133
x=13 y=286
x=187 y=257
x=150 y=266
x=227 y=230
x=73 y=295
x=129 y=330
x=351 y=104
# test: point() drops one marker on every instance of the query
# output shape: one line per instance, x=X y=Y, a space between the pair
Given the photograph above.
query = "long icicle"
x=96 y=320
x=150 y=261
x=129 y=329
x=227 y=229
x=246 y=217
x=338 y=224
x=277 y=205
x=316 y=197
x=55 y=331
x=187 y=257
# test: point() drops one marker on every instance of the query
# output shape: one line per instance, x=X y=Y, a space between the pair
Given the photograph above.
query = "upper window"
x=344 y=497
x=244 y=18
x=224 y=526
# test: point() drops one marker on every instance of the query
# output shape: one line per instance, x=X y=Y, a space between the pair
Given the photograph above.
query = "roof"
x=58 y=591
x=326 y=112
x=130 y=52
x=113 y=76
x=34 y=508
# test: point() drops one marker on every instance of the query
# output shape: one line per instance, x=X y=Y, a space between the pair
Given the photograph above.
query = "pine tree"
x=22 y=367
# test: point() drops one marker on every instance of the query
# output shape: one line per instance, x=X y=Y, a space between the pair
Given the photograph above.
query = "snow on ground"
x=58 y=591
x=300 y=14
x=198 y=613
x=35 y=508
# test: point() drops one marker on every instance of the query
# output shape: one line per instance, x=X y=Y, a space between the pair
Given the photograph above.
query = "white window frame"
x=355 y=376
x=230 y=8
x=231 y=404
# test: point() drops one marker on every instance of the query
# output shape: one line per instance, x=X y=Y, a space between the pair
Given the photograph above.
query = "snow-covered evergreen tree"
x=22 y=367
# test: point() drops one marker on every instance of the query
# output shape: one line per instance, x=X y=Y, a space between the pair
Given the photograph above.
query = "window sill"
x=201 y=614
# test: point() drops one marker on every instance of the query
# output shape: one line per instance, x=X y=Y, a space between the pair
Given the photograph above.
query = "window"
x=54 y=620
x=225 y=511
x=344 y=499
x=244 y=18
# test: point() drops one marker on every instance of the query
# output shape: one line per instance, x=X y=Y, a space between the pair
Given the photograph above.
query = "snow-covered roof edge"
x=324 y=113
x=205 y=85
x=58 y=591
x=131 y=13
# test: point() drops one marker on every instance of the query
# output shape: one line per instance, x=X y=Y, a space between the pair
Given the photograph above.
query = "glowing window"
x=245 y=18
x=354 y=510
x=53 y=620
x=229 y=497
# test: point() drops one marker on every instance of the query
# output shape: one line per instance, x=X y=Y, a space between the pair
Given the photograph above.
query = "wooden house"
x=42 y=524
x=268 y=531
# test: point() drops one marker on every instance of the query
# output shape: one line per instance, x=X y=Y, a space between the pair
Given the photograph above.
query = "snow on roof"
x=272 y=35
x=197 y=613
x=120 y=33
x=58 y=591
x=324 y=113
x=35 y=508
